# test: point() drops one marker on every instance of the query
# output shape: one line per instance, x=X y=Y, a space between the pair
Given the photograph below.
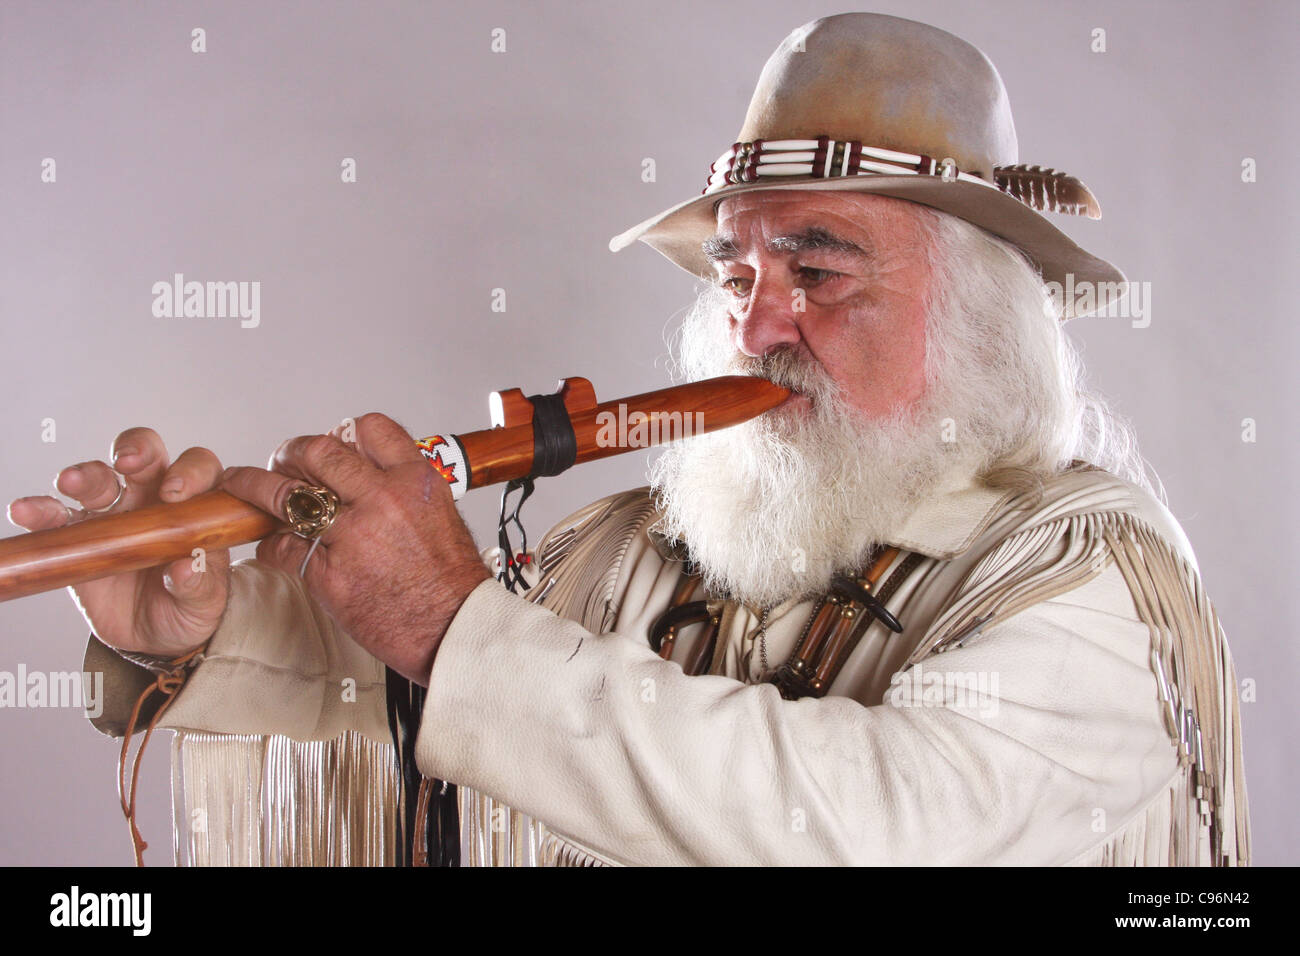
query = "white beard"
x=771 y=509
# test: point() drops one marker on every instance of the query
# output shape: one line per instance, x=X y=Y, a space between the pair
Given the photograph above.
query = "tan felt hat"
x=878 y=104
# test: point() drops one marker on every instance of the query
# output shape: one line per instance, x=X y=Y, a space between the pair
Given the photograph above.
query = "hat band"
x=821 y=158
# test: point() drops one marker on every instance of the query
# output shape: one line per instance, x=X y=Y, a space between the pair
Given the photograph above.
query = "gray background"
x=481 y=170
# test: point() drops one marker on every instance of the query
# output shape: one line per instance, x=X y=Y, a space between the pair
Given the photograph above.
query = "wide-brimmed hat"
x=878 y=104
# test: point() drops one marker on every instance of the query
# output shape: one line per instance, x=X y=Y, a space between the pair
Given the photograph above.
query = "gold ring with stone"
x=310 y=510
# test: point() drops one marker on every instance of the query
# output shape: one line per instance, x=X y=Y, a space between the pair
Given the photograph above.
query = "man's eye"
x=736 y=285
x=817 y=275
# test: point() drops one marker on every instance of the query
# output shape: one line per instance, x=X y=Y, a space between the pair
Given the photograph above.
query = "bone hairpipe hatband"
x=823 y=157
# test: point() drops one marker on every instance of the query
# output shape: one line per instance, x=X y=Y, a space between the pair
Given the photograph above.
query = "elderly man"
x=925 y=611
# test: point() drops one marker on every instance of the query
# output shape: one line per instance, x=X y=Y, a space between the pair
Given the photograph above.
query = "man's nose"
x=769 y=321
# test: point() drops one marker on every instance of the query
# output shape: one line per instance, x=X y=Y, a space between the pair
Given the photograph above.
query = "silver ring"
x=121 y=490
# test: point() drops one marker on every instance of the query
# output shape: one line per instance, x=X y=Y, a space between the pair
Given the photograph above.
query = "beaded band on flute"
x=131 y=540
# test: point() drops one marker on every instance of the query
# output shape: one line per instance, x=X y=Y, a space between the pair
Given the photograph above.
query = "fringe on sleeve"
x=1202 y=818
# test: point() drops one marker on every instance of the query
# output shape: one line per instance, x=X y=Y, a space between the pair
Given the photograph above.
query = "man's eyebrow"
x=724 y=249
x=816 y=238
x=720 y=249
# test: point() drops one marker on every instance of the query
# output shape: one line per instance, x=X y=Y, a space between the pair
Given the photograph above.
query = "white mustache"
x=799 y=372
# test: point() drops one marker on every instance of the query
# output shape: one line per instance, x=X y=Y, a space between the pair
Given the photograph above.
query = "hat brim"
x=679 y=232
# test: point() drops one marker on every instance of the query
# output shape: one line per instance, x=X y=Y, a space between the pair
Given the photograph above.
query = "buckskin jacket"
x=1061 y=693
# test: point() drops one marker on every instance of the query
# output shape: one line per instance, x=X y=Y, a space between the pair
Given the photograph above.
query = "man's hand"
x=164 y=611
x=397 y=563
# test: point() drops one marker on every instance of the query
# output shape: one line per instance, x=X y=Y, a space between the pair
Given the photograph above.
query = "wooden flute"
x=513 y=448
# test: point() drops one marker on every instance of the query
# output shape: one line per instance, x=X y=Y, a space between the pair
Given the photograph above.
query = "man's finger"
x=39 y=513
x=324 y=460
x=92 y=484
x=196 y=470
x=286 y=551
x=267 y=490
x=346 y=432
x=140 y=456
x=193 y=588
x=384 y=442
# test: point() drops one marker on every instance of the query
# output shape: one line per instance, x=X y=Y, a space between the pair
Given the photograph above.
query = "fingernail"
x=126 y=452
x=172 y=485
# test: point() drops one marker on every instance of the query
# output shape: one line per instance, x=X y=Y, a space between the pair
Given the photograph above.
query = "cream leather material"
x=1039 y=741
x=633 y=762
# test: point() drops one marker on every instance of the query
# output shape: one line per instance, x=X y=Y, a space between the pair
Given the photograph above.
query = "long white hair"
x=993 y=326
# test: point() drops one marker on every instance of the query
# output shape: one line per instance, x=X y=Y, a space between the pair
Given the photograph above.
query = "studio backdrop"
x=415 y=200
